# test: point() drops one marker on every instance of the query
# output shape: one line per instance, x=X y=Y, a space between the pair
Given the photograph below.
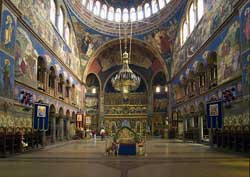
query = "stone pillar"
x=46 y=81
x=43 y=138
x=101 y=109
x=56 y=87
x=200 y=128
x=61 y=129
x=150 y=110
x=170 y=101
x=53 y=129
x=68 y=129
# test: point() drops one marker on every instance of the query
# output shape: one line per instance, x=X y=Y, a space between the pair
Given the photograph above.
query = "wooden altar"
x=127 y=140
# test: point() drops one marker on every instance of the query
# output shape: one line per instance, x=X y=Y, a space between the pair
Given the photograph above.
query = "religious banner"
x=214 y=114
x=41 y=116
x=79 y=120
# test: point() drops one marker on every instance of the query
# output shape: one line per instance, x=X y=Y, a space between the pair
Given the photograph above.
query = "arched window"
x=61 y=21
x=125 y=15
x=118 y=15
x=67 y=34
x=154 y=5
x=184 y=32
x=140 y=13
x=84 y=2
x=111 y=14
x=192 y=20
x=53 y=12
x=200 y=8
x=147 y=10
x=132 y=14
x=162 y=4
x=41 y=69
x=67 y=93
x=104 y=11
x=60 y=84
x=97 y=8
x=90 y=5
x=212 y=68
x=73 y=93
x=52 y=76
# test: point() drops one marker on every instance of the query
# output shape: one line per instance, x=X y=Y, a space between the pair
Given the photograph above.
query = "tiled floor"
x=163 y=159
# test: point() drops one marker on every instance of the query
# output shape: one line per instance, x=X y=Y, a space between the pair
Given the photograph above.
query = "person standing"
x=102 y=133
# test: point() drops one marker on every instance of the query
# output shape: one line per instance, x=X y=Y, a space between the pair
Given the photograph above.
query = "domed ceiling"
x=124 y=3
x=148 y=17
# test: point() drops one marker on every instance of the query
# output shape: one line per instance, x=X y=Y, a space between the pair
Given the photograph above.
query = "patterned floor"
x=163 y=159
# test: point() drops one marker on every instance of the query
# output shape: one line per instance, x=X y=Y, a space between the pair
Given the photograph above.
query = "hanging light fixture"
x=125 y=81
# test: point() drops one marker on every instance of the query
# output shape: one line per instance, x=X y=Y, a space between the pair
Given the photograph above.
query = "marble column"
x=67 y=129
x=61 y=129
x=200 y=128
x=53 y=129
x=101 y=110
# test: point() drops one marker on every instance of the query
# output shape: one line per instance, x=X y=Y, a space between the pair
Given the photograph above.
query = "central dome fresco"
x=124 y=3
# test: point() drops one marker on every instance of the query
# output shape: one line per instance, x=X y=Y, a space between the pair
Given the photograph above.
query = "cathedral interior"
x=125 y=88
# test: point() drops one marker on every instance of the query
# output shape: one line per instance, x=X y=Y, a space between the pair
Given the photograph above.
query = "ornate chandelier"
x=125 y=81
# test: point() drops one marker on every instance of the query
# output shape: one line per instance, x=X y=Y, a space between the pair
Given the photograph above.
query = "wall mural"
x=237 y=115
x=25 y=59
x=215 y=14
x=6 y=75
x=36 y=96
x=8 y=31
x=87 y=40
x=227 y=47
x=163 y=38
x=246 y=72
x=245 y=47
x=27 y=51
x=19 y=119
x=36 y=14
x=111 y=57
x=228 y=54
x=245 y=27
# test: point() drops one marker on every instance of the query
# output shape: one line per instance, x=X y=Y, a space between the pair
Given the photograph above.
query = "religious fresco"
x=6 y=75
x=87 y=40
x=237 y=115
x=36 y=14
x=245 y=47
x=25 y=59
x=215 y=14
x=36 y=96
x=228 y=55
x=227 y=47
x=163 y=38
x=112 y=57
x=246 y=72
x=19 y=119
x=27 y=51
x=8 y=31
x=245 y=27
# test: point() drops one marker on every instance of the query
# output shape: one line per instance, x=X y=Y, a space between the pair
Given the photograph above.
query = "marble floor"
x=163 y=158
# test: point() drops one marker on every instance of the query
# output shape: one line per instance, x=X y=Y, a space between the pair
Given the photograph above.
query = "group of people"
x=94 y=132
